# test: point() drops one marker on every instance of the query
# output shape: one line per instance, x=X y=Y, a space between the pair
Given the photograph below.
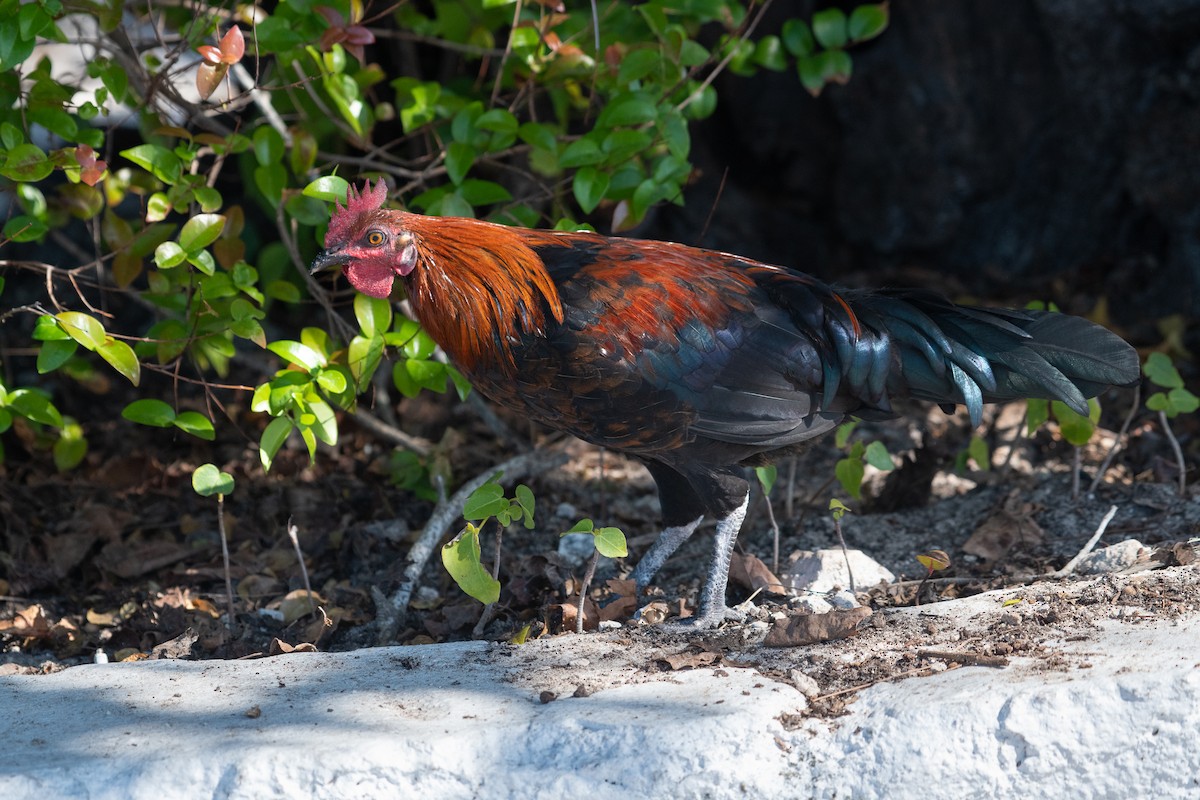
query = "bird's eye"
x=375 y=238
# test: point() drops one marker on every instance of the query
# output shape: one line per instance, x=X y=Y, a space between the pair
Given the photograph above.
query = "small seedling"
x=207 y=480
x=610 y=543
x=1169 y=404
x=933 y=561
x=766 y=479
x=839 y=510
x=462 y=556
x=1076 y=429
x=851 y=469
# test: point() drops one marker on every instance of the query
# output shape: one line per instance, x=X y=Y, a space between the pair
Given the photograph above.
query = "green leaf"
x=273 y=437
x=374 y=314
x=842 y=436
x=1075 y=428
x=589 y=186
x=838 y=508
x=1037 y=413
x=268 y=146
x=271 y=181
x=581 y=152
x=829 y=27
x=538 y=135
x=70 y=448
x=497 y=120
x=329 y=188
x=877 y=456
x=331 y=381
x=461 y=557
x=83 y=328
x=157 y=160
x=196 y=424
x=34 y=405
x=524 y=497
x=296 y=353
x=1183 y=401
x=980 y=453
x=769 y=54
x=122 y=358
x=867 y=22
x=631 y=108
x=26 y=162
x=24 y=228
x=363 y=357
x=797 y=38
x=610 y=543
x=53 y=354
x=766 y=477
x=849 y=472
x=1161 y=370
x=168 y=255
x=459 y=158
x=200 y=231
x=207 y=480
x=483 y=193
x=486 y=501
x=149 y=411
x=47 y=329
x=583 y=526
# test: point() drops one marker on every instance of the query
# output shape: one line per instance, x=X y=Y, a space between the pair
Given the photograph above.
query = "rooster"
x=696 y=362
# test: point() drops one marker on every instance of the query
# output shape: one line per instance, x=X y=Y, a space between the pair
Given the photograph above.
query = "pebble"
x=1113 y=558
x=576 y=548
x=822 y=571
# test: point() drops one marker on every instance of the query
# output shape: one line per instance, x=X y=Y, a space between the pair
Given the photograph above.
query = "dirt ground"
x=123 y=556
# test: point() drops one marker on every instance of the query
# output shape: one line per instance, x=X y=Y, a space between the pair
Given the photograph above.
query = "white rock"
x=843 y=599
x=810 y=603
x=823 y=571
x=1113 y=558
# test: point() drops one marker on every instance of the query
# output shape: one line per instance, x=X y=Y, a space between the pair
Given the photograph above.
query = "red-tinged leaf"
x=233 y=46
x=208 y=78
x=209 y=53
x=333 y=17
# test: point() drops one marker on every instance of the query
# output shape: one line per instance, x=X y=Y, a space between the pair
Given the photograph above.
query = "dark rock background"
x=994 y=143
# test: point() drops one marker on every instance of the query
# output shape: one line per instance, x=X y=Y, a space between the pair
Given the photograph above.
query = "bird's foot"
x=707 y=619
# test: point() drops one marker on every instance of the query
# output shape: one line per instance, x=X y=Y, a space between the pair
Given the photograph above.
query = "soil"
x=121 y=556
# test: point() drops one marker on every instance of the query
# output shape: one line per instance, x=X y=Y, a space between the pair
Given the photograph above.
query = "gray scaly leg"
x=713 y=610
x=667 y=543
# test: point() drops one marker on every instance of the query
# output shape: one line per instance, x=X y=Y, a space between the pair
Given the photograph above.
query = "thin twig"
x=1166 y=426
x=1112 y=451
x=583 y=587
x=775 y=530
x=837 y=527
x=294 y=534
x=225 y=556
x=1087 y=548
x=421 y=447
x=445 y=515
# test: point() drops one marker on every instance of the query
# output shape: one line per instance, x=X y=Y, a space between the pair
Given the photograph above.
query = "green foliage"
x=978 y=451
x=195 y=234
x=207 y=480
x=1075 y=428
x=610 y=542
x=1176 y=399
x=851 y=469
x=462 y=556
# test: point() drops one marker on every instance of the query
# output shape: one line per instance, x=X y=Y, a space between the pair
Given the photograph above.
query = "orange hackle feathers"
x=478 y=288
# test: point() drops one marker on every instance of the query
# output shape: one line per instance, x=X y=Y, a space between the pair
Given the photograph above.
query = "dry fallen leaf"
x=691 y=659
x=750 y=572
x=1010 y=524
x=802 y=629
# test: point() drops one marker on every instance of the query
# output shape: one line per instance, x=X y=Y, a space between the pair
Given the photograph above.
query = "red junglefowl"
x=697 y=362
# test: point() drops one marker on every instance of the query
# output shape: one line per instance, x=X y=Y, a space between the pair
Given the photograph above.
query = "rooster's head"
x=369 y=242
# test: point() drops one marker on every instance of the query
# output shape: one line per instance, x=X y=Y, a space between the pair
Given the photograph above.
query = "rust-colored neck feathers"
x=478 y=287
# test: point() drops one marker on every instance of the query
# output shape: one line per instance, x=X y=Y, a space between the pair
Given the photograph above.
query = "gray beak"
x=326 y=259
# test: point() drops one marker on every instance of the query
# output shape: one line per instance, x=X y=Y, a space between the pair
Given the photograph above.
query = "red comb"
x=357 y=204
